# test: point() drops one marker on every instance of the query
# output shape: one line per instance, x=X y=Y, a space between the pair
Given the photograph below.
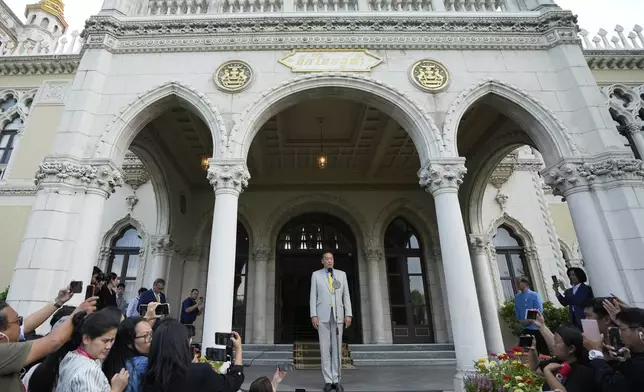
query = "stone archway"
x=548 y=132
x=395 y=103
x=125 y=125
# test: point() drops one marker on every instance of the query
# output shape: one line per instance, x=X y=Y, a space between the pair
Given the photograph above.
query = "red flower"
x=517 y=349
x=507 y=377
x=503 y=356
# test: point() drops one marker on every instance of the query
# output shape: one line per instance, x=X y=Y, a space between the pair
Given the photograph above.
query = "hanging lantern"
x=204 y=162
x=322 y=160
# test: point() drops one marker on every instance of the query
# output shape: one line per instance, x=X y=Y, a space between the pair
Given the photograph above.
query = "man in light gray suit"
x=330 y=309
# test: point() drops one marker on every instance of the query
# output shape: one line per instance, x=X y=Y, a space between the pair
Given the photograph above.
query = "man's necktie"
x=331 y=285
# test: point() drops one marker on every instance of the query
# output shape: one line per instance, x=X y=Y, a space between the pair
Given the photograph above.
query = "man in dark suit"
x=155 y=294
x=576 y=297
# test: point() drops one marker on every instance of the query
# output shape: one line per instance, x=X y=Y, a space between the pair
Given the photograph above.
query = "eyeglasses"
x=147 y=337
x=16 y=321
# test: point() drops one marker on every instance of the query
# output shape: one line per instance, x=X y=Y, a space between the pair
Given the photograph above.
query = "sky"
x=593 y=14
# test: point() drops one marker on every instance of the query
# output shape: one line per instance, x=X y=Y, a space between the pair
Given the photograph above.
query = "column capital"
x=261 y=253
x=374 y=254
x=89 y=175
x=480 y=242
x=161 y=244
x=231 y=176
x=634 y=128
x=441 y=175
x=580 y=174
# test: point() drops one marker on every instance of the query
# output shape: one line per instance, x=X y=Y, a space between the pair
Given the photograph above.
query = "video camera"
x=221 y=354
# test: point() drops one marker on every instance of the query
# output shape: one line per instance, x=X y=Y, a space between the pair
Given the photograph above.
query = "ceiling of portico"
x=364 y=147
x=178 y=139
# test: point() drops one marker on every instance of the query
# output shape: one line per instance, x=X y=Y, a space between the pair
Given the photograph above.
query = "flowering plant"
x=503 y=372
x=218 y=366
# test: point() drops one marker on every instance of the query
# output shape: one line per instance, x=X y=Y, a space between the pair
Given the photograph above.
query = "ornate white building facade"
x=222 y=145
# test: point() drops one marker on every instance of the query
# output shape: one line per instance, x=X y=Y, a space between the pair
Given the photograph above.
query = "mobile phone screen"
x=525 y=341
x=162 y=309
x=76 y=287
x=531 y=314
x=555 y=280
x=89 y=291
x=615 y=338
x=591 y=329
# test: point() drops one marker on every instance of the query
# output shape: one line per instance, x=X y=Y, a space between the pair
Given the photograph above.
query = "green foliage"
x=554 y=315
x=3 y=294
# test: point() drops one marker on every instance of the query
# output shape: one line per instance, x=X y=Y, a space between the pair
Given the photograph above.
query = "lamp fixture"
x=322 y=159
x=204 y=162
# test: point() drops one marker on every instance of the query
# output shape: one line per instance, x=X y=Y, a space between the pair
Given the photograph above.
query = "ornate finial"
x=52 y=7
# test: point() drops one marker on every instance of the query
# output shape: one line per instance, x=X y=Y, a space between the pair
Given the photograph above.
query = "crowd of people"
x=580 y=360
x=103 y=345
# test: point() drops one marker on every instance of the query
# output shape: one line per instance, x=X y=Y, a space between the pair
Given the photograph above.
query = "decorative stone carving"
x=626 y=104
x=233 y=176
x=233 y=76
x=501 y=200
x=15 y=191
x=134 y=172
x=429 y=75
x=573 y=175
x=309 y=31
x=501 y=174
x=331 y=60
x=161 y=244
x=374 y=255
x=480 y=242
x=261 y=254
x=131 y=202
x=39 y=65
x=52 y=92
x=90 y=175
x=443 y=175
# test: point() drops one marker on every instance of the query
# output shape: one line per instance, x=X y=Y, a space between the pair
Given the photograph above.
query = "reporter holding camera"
x=171 y=367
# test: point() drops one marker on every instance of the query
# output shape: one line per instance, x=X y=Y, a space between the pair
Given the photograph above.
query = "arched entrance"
x=299 y=249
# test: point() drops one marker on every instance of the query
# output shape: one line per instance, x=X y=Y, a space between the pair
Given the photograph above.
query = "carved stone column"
x=61 y=240
x=479 y=246
x=442 y=178
x=602 y=194
x=374 y=256
x=228 y=179
x=162 y=249
x=260 y=258
x=635 y=130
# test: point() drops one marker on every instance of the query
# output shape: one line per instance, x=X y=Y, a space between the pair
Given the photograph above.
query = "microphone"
x=330 y=270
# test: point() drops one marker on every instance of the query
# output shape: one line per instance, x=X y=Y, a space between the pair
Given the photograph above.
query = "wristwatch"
x=595 y=354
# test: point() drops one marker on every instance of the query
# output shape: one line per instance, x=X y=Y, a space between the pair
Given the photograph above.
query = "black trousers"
x=542 y=346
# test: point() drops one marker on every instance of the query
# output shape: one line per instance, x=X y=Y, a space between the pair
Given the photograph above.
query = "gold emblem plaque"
x=233 y=76
x=429 y=75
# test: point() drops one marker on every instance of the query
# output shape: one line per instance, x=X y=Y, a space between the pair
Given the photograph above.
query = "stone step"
x=395 y=355
x=401 y=347
x=268 y=347
x=403 y=362
x=269 y=354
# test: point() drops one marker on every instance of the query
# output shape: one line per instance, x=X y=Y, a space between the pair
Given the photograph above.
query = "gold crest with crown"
x=233 y=76
x=429 y=75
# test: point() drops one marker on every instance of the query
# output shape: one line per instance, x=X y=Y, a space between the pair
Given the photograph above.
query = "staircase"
x=307 y=356
x=267 y=354
x=402 y=354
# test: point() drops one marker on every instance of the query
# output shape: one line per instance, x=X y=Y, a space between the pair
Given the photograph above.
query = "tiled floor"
x=371 y=379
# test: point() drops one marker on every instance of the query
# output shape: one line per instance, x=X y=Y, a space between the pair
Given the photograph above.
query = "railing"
x=633 y=41
x=26 y=47
x=475 y=5
x=189 y=7
x=235 y=6
x=178 y=7
x=325 y=5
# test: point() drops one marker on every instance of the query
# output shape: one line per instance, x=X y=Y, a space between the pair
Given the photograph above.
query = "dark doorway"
x=407 y=281
x=300 y=244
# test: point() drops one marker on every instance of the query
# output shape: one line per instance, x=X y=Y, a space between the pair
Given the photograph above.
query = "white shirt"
x=574 y=288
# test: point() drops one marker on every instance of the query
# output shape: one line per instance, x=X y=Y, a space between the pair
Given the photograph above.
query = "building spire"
x=54 y=7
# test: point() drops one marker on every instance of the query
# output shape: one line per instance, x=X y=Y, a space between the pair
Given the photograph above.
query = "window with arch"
x=406 y=278
x=511 y=261
x=125 y=259
x=44 y=23
x=33 y=19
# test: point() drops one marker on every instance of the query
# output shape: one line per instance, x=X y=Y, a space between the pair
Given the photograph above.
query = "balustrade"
x=71 y=44
x=401 y=5
x=633 y=41
x=475 y=5
x=234 y=6
x=325 y=5
x=178 y=7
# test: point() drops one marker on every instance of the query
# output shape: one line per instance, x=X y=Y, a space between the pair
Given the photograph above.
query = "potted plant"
x=504 y=372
